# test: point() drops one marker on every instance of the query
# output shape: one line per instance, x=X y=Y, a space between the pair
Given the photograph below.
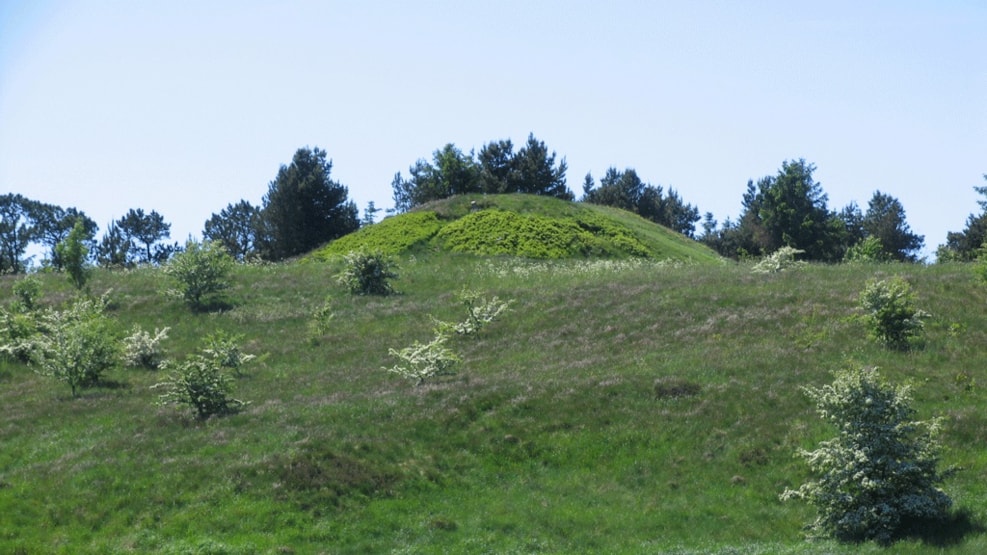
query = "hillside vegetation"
x=529 y=226
x=620 y=406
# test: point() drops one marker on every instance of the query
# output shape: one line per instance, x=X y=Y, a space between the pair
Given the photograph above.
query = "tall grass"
x=628 y=407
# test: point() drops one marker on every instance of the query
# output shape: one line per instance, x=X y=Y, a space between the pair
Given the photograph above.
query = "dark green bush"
x=368 y=273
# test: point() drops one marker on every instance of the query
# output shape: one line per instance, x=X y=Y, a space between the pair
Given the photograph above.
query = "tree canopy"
x=235 y=228
x=625 y=190
x=784 y=210
x=136 y=238
x=966 y=244
x=303 y=208
x=497 y=169
x=885 y=220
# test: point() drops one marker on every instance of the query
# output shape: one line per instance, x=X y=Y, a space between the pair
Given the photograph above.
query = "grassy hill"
x=521 y=225
x=621 y=406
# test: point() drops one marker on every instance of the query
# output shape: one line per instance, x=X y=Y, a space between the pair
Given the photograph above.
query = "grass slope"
x=622 y=406
x=521 y=225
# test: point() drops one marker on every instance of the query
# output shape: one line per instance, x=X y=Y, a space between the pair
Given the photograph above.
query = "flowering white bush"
x=479 y=313
x=225 y=350
x=880 y=471
x=779 y=261
x=143 y=350
x=77 y=345
x=423 y=361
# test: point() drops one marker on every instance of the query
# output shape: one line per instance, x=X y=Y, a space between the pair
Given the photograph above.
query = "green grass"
x=521 y=225
x=620 y=406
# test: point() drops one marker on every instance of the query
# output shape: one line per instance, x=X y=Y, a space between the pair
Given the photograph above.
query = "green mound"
x=393 y=235
x=524 y=226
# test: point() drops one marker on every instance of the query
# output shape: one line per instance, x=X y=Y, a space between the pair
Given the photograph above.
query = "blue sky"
x=184 y=107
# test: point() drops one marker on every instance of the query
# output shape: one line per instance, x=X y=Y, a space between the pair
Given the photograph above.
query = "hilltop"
x=521 y=225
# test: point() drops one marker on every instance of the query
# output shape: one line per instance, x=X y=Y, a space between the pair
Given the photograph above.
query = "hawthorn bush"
x=890 y=312
x=422 y=361
x=201 y=271
x=480 y=312
x=143 y=350
x=879 y=474
x=76 y=345
x=201 y=384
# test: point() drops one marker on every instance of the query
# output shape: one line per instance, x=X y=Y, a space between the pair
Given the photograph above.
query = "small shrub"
x=423 y=361
x=868 y=250
x=890 y=312
x=19 y=334
x=201 y=271
x=201 y=384
x=368 y=273
x=319 y=324
x=77 y=345
x=980 y=264
x=225 y=350
x=27 y=291
x=143 y=350
x=779 y=261
x=879 y=474
x=479 y=313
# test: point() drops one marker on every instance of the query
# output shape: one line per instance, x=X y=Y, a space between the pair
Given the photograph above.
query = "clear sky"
x=186 y=106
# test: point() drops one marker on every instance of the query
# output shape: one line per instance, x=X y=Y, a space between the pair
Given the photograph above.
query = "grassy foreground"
x=619 y=407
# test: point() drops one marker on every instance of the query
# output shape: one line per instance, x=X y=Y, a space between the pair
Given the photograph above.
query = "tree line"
x=305 y=208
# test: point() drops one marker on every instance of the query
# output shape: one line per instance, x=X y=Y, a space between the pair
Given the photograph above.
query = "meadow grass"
x=618 y=407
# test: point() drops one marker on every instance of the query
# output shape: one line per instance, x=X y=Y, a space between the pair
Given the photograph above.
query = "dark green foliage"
x=114 y=249
x=135 y=239
x=532 y=170
x=55 y=224
x=145 y=232
x=885 y=221
x=304 y=208
x=792 y=211
x=451 y=173
x=964 y=245
x=368 y=273
x=235 y=227
x=496 y=170
x=17 y=230
x=788 y=209
x=625 y=190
